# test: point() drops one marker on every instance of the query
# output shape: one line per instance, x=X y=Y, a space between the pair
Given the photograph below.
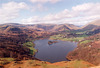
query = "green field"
x=31 y=46
x=60 y=37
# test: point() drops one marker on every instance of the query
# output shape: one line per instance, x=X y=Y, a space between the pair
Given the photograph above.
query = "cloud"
x=59 y=16
x=39 y=4
x=79 y=14
x=10 y=11
x=39 y=7
x=87 y=9
x=31 y=20
x=44 y=1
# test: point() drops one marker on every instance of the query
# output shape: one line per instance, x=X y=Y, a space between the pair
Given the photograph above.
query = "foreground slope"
x=43 y=64
x=88 y=50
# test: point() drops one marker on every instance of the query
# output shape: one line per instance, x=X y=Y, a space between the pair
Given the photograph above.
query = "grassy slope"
x=43 y=64
x=4 y=61
x=31 y=46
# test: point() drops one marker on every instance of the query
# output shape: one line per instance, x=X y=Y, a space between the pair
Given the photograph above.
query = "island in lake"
x=51 y=42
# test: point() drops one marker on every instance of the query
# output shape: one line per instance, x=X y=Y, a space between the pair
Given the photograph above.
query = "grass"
x=41 y=64
x=81 y=32
x=85 y=42
x=4 y=61
x=7 y=59
x=32 y=50
x=74 y=39
x=31 y=46
x=78 y=64
x=60 y=37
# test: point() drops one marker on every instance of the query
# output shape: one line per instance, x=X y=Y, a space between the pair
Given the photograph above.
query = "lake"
x=55 y=52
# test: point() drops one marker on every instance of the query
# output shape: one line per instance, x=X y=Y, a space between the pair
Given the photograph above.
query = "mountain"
x=96 y=22
x=43 y=27
x=91 y=25
x=94 y=31
x=53 y=27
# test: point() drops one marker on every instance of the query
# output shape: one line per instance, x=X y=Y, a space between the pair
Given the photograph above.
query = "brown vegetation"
x=43 y=64
x=89 y=52
x=12 y=39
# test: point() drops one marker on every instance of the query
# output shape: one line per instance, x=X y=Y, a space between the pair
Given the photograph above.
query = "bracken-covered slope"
x=88 y=50
x=43 y=64
x=12 y=39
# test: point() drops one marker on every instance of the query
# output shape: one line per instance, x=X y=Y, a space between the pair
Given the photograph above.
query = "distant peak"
x=96 y=22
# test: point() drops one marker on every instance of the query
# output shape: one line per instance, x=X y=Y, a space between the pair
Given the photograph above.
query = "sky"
x=77 y=12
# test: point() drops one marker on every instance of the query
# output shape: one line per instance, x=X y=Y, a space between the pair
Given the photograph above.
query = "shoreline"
x=58 y=41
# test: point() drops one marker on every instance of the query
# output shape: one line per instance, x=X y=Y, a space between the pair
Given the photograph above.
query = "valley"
x=19 y=45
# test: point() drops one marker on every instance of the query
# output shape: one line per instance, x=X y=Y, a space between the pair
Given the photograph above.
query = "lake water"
x=55 y=52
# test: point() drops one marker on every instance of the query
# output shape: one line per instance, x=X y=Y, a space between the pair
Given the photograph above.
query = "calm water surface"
x=55 y=52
